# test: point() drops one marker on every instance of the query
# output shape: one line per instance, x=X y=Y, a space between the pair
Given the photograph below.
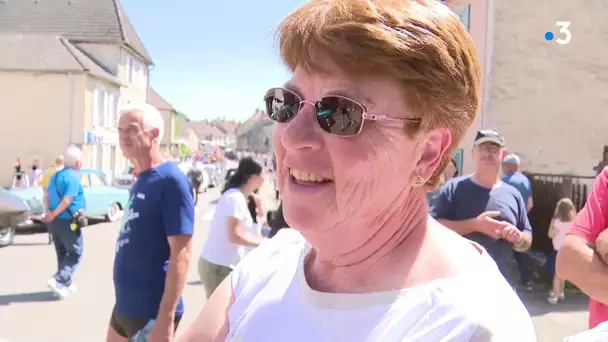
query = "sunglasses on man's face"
x=336 y=114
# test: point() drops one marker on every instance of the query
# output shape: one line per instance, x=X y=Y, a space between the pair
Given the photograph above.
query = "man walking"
x=195 y=175
x=154 y=245
x=483 y=208
x=65 y=200
x=512 y=176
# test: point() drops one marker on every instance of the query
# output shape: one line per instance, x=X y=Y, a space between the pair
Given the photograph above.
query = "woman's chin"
x=302 y=216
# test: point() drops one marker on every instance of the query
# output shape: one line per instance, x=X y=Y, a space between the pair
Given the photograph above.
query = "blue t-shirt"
x=462 y=199
x=521 y=183
x=160 y=205
x=431 y=197
x=66 y=182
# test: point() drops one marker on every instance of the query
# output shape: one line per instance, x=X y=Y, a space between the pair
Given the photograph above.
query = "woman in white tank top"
x=232 y=232
x=381 y=93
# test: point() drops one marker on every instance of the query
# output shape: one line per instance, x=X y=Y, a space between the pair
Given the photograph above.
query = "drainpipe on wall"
x=488 y=65
x=71 y=109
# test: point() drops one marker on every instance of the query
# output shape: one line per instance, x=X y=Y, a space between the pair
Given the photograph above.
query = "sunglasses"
x=337 y=115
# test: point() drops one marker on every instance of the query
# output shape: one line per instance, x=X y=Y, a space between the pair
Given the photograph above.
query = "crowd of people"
x=389 y=242
x=26 y=178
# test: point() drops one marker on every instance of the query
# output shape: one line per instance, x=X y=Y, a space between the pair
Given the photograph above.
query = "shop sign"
x=101 y=136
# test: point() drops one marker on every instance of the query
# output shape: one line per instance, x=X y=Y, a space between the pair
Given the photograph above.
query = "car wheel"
x=7 y=235
x=114 y=213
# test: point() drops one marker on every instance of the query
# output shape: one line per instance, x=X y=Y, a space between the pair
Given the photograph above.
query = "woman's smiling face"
x=361 y=174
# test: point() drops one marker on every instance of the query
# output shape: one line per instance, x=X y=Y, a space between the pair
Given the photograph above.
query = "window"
x=112 y=110
x=129 y=69
x=97 y=181
x=99 y=107
x=96 y=113
x=96 y=156
x=136 y=71
x=106 y=109
x=102 y=108
x=121 y=102
x=84 y=180
x=464 y=12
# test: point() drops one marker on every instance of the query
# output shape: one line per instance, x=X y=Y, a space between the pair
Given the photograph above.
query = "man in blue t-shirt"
x=484 y=209
x=65 y=200
x=154 y=244
x=512 y=176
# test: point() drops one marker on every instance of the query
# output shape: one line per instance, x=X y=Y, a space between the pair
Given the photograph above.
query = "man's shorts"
x=127 y=326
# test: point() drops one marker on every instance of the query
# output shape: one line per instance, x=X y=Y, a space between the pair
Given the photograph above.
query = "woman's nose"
x=303 y=132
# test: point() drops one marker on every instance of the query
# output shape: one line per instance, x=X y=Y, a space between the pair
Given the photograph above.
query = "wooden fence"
x=547 y=190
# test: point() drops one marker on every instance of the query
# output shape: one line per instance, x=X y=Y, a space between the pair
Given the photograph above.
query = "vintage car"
x=13 y=211
x=211 y=176
x=101 y=201
x=124 y=180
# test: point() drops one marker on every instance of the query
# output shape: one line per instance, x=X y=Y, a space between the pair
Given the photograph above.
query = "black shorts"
x=127 y=326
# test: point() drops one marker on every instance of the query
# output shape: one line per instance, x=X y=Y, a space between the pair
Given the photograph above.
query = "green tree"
x=184 y=150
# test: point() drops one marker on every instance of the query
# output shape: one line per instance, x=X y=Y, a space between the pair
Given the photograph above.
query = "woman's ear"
x=432 y=149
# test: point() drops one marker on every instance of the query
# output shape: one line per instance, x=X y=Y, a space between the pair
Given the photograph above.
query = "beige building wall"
x=134 y=74
x=192 y=141
x=106 y=54
x=103 y=152
x=169 y=128
x=479 y=16
x=550 y=100
x=43 y=114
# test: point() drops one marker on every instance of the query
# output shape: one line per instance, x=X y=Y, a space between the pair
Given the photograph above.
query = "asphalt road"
x=29 y=313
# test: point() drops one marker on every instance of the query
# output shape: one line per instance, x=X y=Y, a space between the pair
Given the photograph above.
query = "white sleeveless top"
x=562 y=228
x=273 y=302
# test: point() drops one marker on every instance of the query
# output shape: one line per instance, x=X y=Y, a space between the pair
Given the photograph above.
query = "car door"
x=100 y=199
x=86 y=187
x=92 y=195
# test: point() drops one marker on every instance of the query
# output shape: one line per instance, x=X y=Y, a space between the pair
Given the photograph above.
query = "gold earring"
x=419 y=180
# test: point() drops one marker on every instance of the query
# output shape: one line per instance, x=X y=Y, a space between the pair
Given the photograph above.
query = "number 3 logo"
x=563 y=29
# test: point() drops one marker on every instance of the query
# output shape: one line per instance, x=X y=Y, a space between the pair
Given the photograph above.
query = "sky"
x=212 y=58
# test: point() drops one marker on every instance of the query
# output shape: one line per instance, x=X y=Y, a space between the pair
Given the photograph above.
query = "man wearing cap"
x=512 y=176
x=483 y=208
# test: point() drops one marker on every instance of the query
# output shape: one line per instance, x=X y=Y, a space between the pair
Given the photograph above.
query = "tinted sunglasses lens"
x=339 y=116
x=281 y=105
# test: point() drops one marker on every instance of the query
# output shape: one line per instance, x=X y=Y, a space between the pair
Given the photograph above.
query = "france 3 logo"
x=564 y=36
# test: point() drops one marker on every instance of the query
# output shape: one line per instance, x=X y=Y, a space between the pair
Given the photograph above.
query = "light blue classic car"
x=101 y=198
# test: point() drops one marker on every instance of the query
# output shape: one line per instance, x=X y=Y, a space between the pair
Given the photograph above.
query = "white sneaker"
x=552 y=299
x=73 y=288
x=58 y=289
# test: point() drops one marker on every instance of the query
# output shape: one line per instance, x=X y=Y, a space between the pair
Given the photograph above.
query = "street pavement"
x=29 y=312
